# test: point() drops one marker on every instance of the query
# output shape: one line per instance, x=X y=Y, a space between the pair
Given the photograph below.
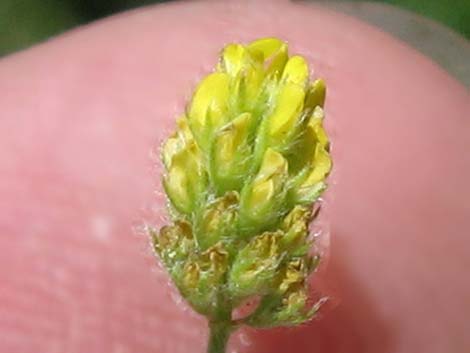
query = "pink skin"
x=81 y=113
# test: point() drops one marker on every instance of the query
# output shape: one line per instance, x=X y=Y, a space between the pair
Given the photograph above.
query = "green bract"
x=248 y=160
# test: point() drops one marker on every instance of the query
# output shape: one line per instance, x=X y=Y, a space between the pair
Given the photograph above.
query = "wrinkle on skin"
x=81 y=113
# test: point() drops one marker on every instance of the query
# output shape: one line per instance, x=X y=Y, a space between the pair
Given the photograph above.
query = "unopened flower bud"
x=274 y=54
x=296 y=71
x=287 y=114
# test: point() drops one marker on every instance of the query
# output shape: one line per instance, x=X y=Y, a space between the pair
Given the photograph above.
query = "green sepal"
x=262 y=199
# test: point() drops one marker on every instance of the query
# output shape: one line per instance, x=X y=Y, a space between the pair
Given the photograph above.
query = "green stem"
x=218 y=336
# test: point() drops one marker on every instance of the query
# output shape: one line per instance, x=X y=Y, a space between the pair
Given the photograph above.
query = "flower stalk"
x=247 y=162
x=219 y=333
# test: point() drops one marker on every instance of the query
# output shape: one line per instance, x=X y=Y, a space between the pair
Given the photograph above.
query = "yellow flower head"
x=247 y=161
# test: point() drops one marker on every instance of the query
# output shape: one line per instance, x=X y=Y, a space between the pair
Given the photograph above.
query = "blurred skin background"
x=82 y=112
x=25 y=22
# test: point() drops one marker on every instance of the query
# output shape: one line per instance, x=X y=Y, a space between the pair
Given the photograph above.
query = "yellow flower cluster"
x=247 y=161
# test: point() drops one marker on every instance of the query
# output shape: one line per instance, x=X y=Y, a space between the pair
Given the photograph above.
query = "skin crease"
x=80 y=114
